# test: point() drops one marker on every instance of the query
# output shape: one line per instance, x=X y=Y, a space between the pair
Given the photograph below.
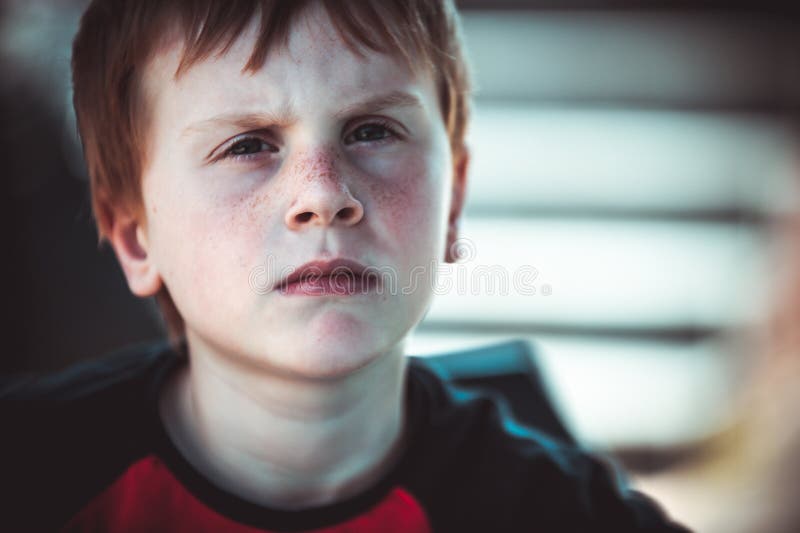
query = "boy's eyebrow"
x=383 y=101
x=242 y=120
x=252 y=121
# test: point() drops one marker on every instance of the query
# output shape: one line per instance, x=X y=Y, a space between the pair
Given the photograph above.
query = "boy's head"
x=229 y=142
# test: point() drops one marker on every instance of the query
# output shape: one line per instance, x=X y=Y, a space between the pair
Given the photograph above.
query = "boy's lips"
x=314 y=270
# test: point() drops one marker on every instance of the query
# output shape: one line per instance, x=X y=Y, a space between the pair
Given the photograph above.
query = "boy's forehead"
x=314 y=64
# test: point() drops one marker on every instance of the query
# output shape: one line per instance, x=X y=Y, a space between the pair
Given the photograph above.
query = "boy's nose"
x=322 y=198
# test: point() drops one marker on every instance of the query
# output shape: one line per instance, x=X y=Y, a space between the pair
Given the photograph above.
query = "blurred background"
x=638 y=157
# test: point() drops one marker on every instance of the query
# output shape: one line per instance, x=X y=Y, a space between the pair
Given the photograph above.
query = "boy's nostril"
x=347 y=215
x=304 y=217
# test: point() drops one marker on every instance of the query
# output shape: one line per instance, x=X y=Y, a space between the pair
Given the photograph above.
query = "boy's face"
x=318 y=155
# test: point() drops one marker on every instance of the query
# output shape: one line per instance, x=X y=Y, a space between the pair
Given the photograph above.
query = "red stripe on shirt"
x=148 y=497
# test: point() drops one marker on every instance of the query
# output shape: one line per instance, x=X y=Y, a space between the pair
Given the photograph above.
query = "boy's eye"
x=249 y=146
x=370 y=133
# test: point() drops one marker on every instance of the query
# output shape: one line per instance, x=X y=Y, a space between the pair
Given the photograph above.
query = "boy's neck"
x=287 y=442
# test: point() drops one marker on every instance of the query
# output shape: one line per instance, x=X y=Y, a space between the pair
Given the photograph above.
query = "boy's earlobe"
x=129 y=240
x=460 y=171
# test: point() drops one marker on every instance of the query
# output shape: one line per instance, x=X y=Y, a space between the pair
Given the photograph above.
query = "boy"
x=324 y=140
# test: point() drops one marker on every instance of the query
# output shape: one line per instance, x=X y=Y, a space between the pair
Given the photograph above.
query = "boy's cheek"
x=206 y=243
x=198 y=255
x=408 y=196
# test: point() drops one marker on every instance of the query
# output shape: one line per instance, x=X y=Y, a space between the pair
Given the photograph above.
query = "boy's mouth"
x=341 y=277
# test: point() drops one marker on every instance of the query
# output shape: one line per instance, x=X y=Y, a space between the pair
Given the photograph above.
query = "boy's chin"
x=330 y=365
x=335 y=362
x=329 y=350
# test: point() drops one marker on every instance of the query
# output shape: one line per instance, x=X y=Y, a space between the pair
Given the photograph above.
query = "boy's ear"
x=460 y=170
x=129 y=240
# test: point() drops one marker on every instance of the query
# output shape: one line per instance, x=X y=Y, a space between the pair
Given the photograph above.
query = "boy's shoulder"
x=494 y=473
x=67 y=433
x=123 y=368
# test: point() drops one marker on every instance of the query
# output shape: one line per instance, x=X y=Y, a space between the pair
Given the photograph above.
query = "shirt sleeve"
x=65 y=435
x=592 y=497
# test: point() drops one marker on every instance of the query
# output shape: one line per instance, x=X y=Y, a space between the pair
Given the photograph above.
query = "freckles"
x=234 y=210
x=311 y=165
x=254 y=208
x=405 y=199
x=244 y=212
x=393 y=201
